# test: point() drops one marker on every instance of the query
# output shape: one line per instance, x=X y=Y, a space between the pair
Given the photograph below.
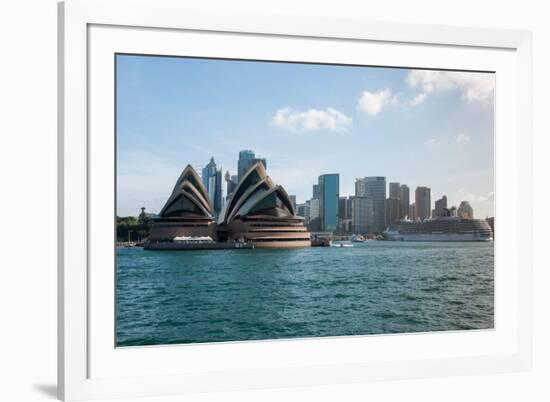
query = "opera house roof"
x=257 y=196
x=189 y=198
x=258 y=213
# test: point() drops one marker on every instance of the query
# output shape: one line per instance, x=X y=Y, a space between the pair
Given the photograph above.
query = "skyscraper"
x=423 y=203
x=316 y=193
x=212 y=180
x=404 y=200
x=303 y=211
x=440 y=206
x=465 y=210
x=329 y=188
x=374 y=188
x=412 y=212
x=361 y=214
x=344 y=214
x=394 y=190
x=247 y=158
x=232 y=181
x=392 y=210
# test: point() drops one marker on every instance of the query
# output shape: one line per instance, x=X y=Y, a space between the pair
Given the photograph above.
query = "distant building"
x=440 y=207
x=314 y=216
x=303 y=211
x=212 y=180
x=232 y=181
x=412 y=212
x=374 y=188
x=247 y=158
x=329 y=187
x=344 y=215
x=393 y=213
x=423 y=203
x=453 y=211
x=395 y=190
x=316 y=192
x=465 y=210
x=293 y=201
x=145 y=216
x=404 y=199
x=361 y=214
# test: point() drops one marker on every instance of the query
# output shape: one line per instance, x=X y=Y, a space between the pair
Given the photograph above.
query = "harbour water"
x=378 y=287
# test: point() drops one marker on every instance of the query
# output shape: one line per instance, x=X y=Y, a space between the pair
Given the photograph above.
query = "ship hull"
x=440 y=237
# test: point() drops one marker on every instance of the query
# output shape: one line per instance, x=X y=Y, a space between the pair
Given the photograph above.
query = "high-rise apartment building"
x=423 y=203
x=394 y=190
x=404 y=200
x=374 y=188
x=412 y=212
x=440 y=207
x=393 y=213
x=361 y=214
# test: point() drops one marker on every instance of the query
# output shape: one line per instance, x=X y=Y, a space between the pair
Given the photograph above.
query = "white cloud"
x=462 y=138
x=473 y=86
x=312 y=120
x=373 y=102
x=418 y=99
x=489 y=197
x=431 y=142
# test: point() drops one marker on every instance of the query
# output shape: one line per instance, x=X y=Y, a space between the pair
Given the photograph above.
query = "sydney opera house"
x=258 y=214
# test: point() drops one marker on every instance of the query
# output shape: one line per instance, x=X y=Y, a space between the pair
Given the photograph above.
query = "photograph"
x=263 y=200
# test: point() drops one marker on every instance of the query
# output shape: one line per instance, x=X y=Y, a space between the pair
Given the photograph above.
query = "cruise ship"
x=445 y=228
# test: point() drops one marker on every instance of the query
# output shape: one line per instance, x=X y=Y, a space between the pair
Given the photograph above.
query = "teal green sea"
x=171 y=297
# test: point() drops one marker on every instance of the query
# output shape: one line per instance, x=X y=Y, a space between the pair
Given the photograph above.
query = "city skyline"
x=360 y=121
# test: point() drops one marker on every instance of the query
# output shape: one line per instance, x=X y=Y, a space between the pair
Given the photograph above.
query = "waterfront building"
x=374 y=188
x=212 y=180
x=187 y=212
x=423 y=203
x=440 y=207
x=329 y=188
x=314 y=223
x=453 y=211
x=465 y=210
x=393 y=212
x=394 y=190
x=404 y=199
x=412 y=212
x=361 y=214
x=260 y=213
x=232 y=181
x=247 y=159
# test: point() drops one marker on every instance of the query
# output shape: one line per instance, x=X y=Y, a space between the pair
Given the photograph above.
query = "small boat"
x=358 y=239
x=341 y=245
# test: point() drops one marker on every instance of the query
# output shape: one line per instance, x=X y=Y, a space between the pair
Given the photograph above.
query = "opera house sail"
x=188 y=211
x=258 y=214
x=261 y=213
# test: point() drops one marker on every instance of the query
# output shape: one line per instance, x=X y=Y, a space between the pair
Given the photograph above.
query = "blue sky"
x=418 y=127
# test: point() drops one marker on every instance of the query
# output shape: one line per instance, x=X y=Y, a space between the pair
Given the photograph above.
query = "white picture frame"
x=90 y=367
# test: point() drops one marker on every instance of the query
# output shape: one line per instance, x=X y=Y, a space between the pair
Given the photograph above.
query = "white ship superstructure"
x=440 y=229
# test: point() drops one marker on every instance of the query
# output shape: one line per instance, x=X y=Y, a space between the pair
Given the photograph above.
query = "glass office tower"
x=329 y=189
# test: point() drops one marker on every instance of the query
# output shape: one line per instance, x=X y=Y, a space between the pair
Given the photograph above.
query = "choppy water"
x=167 y=297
